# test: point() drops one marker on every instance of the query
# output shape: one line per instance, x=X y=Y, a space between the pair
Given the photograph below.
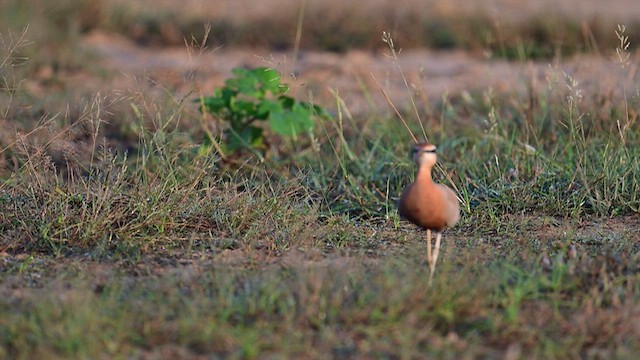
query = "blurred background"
x=62 y=58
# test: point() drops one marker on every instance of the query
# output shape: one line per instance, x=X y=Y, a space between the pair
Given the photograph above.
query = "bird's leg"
x=436 y=250
x=429 y=247
x=430 y=257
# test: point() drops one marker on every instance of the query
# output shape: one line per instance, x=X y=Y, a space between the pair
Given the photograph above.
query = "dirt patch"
x=22 y=271
x=358 y=76
x=509 y=10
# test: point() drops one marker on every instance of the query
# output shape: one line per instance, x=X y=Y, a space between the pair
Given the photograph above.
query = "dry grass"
x=515 y=30
x=123 y=235
x=518 y=29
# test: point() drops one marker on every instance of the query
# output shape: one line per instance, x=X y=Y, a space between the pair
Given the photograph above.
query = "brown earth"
x=356 y=75
x=503 y=10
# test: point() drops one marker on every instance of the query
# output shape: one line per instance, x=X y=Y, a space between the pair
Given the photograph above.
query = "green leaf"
x=258 y=94
x=250 y=136
x=269 y=80
x=219 y=102
x=240 y=72
x=248 y=86
x=227 y=94
x=293 y=122
x=246 y=109
x=214 y=104
x=267 y=107
x=287 y=101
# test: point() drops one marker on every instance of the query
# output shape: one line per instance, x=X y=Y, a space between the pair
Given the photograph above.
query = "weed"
x=254 y=95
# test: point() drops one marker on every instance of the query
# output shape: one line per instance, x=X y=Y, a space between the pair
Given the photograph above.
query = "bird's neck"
x=424 y=174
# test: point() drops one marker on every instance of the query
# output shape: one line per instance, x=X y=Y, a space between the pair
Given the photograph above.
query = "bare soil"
x=503 y=10
x=407 y=242
x=357 y=76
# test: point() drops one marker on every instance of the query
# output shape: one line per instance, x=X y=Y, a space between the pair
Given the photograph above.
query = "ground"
x=125 y=234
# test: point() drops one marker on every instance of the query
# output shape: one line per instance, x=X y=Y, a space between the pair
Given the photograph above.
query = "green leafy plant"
x=258 y=95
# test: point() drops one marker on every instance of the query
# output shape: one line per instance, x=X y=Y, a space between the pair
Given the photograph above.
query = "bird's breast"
x=425 y=206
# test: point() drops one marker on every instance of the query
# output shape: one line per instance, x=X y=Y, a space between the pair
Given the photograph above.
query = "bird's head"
x=424 y=154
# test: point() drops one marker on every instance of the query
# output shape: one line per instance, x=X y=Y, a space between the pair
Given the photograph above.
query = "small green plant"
x=258 y=95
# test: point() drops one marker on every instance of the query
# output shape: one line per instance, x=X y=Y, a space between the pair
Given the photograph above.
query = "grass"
x=332 y=26
x=575 y=306
x=121 y=236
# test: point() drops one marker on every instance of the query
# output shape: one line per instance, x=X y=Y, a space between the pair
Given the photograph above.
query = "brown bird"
x=429 y=205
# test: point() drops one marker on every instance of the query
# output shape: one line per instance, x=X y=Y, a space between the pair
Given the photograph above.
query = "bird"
x=429 y=205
